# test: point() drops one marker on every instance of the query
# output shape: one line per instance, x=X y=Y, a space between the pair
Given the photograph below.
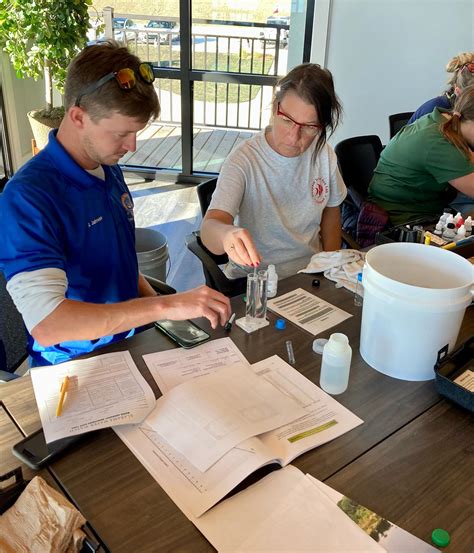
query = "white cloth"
x=341 y=266
x=280 y=200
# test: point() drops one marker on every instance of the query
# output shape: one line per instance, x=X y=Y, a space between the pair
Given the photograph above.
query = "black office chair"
x=357 y=158
x=397 y=121
x=215 y=277
x=13 y=342
x=159 y=286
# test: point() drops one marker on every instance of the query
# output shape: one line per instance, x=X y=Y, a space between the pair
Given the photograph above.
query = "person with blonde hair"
x=462 y=69
x=419 y=164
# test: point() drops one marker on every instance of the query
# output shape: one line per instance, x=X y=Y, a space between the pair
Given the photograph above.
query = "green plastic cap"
x=440 y=537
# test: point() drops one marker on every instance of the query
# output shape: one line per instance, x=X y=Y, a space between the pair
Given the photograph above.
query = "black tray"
x=449 y=367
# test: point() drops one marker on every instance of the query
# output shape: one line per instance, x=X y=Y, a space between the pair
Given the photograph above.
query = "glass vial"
x=256 y=306
x=336 y=364
x=272 y=282
x=358 y=297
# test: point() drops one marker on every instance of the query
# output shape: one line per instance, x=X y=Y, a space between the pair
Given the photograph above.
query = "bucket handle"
x=442 y=353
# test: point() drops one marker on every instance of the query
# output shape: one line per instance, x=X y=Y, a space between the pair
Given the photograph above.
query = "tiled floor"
x=174 y=211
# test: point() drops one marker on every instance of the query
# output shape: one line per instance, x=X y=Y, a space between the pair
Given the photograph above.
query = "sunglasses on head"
x=469 y=66
x=125 y=78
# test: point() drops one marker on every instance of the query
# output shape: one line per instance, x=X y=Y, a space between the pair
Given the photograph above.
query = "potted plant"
x=41 y=38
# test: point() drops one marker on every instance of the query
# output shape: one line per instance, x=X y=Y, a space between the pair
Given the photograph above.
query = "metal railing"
x=231 y=47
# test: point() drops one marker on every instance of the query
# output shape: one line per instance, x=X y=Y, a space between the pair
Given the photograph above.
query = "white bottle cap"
x=318 y=345
x=271 y=270
x=338 y=342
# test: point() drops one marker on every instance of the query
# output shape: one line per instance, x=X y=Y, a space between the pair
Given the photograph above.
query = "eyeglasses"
x=126 y=79
x=308 y=130
x=470 y=67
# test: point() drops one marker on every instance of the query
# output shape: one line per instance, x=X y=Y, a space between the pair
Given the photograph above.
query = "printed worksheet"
x=307 y=311
x=206 y=417
x=324 y=419
x=195 y=491
x=103 y=391
x=173 y=367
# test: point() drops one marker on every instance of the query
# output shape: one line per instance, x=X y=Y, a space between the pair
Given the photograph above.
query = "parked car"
x=122 y=28
x=166 y=31
x=269 y=35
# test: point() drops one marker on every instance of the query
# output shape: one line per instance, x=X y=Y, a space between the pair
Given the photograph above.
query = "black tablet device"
x=36 y=453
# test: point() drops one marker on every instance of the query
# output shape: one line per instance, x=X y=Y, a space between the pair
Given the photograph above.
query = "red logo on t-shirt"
x=319 y=190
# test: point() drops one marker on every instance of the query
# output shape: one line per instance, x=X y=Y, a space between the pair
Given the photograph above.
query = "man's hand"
x=200 y=302
x=240 y=247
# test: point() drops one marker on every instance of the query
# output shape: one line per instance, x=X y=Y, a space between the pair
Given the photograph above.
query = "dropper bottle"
x=272 y=281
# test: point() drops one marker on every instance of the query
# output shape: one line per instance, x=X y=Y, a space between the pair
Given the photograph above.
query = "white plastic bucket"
x=152 y=252
x=415 y=297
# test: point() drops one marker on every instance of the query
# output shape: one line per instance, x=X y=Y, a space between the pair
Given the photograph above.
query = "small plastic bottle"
x=449 y=232
x=461 y=233
x=272 y=282
x=468 y=225
x=358 y=298
x=336 y=364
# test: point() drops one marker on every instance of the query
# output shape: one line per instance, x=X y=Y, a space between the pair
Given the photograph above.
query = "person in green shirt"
x=417 y=166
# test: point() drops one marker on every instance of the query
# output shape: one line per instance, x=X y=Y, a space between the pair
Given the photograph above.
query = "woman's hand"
x=239 y=246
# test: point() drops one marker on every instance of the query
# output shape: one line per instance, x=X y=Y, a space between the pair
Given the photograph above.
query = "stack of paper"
x=288 y=511
x=190 y=442
x=284 y=511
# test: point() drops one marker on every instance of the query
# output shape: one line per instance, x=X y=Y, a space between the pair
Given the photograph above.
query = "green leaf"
x=36 y=32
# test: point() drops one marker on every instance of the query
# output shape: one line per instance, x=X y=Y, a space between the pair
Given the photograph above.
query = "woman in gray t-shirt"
x=278 y=194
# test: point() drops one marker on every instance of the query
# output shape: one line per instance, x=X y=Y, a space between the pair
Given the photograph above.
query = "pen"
x=228 y=324
x=63 y=392
x=289 y=350
x=452 y=245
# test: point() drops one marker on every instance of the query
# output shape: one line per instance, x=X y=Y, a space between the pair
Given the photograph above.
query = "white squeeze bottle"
x=336 y=364
x=272 y=282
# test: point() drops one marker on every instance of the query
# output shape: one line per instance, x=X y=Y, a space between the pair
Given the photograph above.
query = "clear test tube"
x=261 y=308
x=256 y=306
x=250 y=306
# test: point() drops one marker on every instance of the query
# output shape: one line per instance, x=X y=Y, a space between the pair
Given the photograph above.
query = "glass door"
x=216 y=64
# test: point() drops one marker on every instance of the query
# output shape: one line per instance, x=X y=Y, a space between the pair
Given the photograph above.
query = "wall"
x=21 y=96
x=388 y=56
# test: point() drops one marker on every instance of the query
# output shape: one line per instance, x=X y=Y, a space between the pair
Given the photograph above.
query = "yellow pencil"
x=63 y=391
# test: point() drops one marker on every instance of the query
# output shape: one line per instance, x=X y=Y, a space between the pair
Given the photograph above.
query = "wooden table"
x=411 y=460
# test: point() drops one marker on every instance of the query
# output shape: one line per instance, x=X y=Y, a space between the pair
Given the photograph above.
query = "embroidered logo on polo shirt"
x=319 y=190
x=128 y=205
x=94 y=221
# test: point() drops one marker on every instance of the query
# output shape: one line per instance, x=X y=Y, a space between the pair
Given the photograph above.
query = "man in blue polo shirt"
x=68 y=249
